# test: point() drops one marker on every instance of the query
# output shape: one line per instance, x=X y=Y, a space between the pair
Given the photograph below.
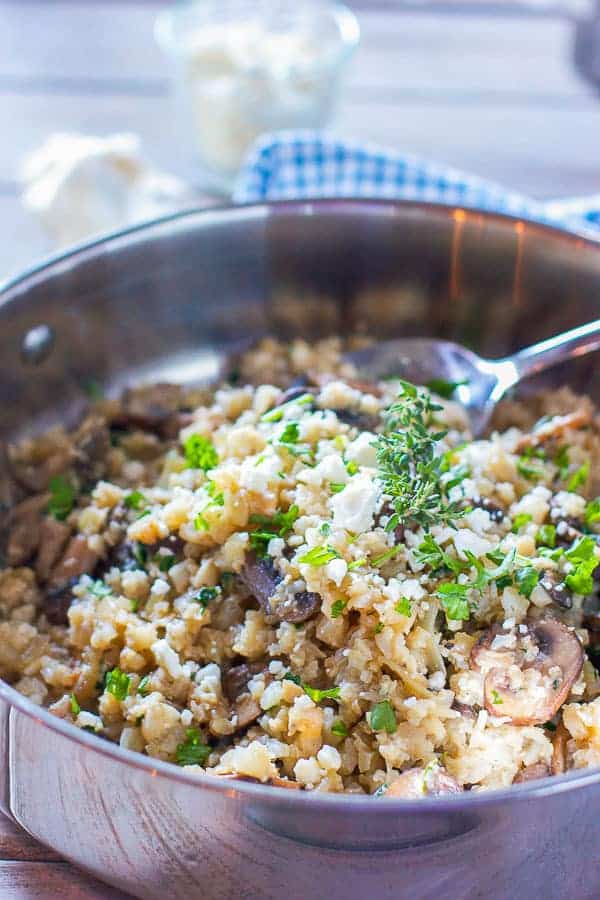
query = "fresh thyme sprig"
x=409 y=468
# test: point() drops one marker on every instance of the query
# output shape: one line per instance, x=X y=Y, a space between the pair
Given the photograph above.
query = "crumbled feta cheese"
x=354 y=507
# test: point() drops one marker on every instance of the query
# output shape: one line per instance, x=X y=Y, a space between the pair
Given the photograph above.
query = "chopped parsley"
x=592 y=512
x=336 y=486
x=62 y=497
x=561 y=460
x=325 y=529
x=275 y=526
x=144 y=686
x=216 y=499
x=430 y=553
x=192 y=752
x=403 y=607
x=315 y=694
x=519 y=520
x=383 y=718
x=526 y=579
x=319 y=556
x=276 y=414
x=582 y=555
x=99 y=589
x=384 y=557
x=357 y=564
x=140 y=554
x=496 y=698
x=200 y=453
x=579 y=477
x=337 y=608
x=165 y=561
x=206 y=595
x=117 y=683
x=546 y=536
x=444 y=388
x=290 y=433
x=134 y=500
x=455 y=601
x=74 y=704
x=409 y=469
x=351 y=468
x=528 y=469
x=339 y=728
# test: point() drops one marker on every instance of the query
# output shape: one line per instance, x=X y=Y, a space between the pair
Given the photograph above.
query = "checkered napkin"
x=292 y=165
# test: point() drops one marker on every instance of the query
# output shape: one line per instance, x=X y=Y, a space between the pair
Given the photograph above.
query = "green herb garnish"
x=454 y=599
x=200 y=453
x=496 y=698
x=582 y=555
x=206 y=595
x=519 y=520
x=339 y=728
x=290 y=433
x=430 y=553
x=403 y=607
x=117 y=683
x=134 y=500
x=546 y=536
x=319 y=556
x=144 y=685
x=579 y=477
x=99 y=589
x=337 y=608
x=592 y=512
x=409 y=468
x=529 y=469
x=164 y=561
x=276 y=414
x=444 y=388
x=383 y=718
x=192 y=752
x=384 y=557
x=62 y=498
x=336 y=486
x=315 y=694
x=526 y=579
x=74 y=704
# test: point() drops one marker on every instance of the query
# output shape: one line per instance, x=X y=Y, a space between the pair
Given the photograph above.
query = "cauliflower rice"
x=221 y=580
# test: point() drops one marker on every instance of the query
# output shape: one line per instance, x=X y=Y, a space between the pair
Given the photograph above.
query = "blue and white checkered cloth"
x=293 y=165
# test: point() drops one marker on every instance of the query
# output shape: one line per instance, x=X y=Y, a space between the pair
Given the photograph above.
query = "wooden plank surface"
x=495 y=95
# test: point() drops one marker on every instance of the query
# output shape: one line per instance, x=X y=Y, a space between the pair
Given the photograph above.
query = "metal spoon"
x=485 y=381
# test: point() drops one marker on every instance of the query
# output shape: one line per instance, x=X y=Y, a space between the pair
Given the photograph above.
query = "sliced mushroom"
x=558 y=764
x=57 y=601
x=555 y=428
x=532 y=773
x=152 y=407
x=78 y=559
x=529 y=672
x=247 y=711
x=91 y=443
x=261 y=578
x=236 y=679
x=24 y=529
x=496 y=513
x=432 y=781
x=53 y=540
x=557 y=590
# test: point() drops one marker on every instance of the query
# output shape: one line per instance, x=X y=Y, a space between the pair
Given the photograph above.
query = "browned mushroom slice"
x=261 y=578
x=236 y=679
x=556 y=589
x=35 y=462
x=153 y=407
x=554 y=428
x=532 y=773
x=496 y=513
x=247 y=711
x=24 y=529
x=91 y=443
x=558 y=764
x=529 y=669
x=53 y=539
x=432 y=781
x=77 y=560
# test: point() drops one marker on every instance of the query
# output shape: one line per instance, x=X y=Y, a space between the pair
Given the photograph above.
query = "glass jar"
x=243 y=68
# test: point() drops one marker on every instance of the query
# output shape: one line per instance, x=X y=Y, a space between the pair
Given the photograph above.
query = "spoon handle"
x=570 y=344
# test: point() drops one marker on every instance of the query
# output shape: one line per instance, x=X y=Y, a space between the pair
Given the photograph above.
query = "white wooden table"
x=496 y=95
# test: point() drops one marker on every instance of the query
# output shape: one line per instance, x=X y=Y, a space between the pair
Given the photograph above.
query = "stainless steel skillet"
x=167 y=301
